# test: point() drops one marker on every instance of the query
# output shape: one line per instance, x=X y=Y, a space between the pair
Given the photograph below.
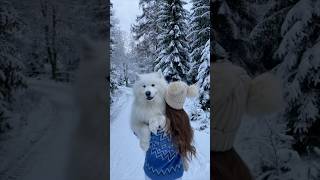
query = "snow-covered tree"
x=117 y=53
x=199 y=34
x=299 y=55
x=266 y=35
x=11 y=76
x=173 y=57
x=203 y=77
x=287 y=39
x=233 y=22
x=145 y=30
x=123 y=63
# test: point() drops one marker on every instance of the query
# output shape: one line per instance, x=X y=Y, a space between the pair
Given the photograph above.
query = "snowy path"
x=126 y=157
x=44 y=157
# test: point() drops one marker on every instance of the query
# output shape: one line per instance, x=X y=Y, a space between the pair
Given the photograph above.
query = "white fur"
x=148 y=115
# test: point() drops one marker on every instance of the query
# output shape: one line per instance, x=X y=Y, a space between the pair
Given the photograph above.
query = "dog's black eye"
x=144 y=86
x=152 y=85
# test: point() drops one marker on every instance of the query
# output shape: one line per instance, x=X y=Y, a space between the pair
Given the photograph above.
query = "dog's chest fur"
x=144 y=113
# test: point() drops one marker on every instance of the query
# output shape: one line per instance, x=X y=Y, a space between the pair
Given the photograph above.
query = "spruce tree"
x=11 y=77
x=299 y=55
x=233 y=22
x=203 y=77
x=265 y=37
x=173 y=57
x=118 y=55
x=199 y=34
x=146 y=29
x=287 y=40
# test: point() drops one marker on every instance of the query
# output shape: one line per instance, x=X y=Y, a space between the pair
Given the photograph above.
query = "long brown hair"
x=181 y=132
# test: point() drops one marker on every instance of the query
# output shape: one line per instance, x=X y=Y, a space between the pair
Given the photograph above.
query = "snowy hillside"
x=126 y=157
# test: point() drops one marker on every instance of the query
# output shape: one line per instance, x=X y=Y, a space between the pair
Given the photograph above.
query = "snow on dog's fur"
x=148 y=110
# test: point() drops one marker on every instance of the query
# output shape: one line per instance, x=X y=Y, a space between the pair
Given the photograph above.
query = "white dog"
x=148 y=110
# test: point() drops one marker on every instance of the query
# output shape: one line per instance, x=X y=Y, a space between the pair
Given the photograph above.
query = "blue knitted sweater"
x=163 y=161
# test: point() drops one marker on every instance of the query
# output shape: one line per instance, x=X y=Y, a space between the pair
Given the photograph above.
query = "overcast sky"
x=126 y=11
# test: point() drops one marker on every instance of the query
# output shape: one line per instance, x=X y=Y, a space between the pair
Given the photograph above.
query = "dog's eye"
x=152 y=85
x=144 y=86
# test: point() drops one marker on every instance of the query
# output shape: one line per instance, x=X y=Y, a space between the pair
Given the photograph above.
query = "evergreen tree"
x=199 y=34
x=113 y=74
x=266 y=35
x=287 y=40
x=173 y=57
x=203 y=77
x=146 y=29
x=11 y=77
x=117 y=53
x=299 y=55
x=234 y=21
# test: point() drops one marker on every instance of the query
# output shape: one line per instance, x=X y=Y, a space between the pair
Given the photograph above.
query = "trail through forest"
x=43 y=152
x=126 y=156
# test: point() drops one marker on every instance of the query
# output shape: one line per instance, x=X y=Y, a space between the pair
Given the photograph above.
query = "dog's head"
x=150 y=88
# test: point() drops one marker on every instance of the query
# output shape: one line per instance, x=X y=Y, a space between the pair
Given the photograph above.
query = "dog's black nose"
x=148 y=93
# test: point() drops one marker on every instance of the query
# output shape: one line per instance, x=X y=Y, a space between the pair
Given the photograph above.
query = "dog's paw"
x=144 y=145
x=157 y=123
x=162 y=122
x=153 y=125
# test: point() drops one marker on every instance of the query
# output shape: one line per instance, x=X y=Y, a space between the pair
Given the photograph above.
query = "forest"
x=39 y=57
x=39 y=41
x=171 y=37
x=168 y=38
x=281 y=37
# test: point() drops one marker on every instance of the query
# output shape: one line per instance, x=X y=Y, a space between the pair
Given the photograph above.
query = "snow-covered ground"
x=126 y=157
x=38 y=147
x=266 y=149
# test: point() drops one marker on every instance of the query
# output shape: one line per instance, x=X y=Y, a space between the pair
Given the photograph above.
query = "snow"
x=49 y=114
x=302 y=11
x=126 y=157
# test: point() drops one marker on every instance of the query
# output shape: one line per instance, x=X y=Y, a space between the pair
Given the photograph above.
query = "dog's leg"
x=136 y=128
x=145 y=138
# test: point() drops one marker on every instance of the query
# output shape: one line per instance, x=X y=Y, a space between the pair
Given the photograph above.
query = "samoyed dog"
x=148 y=110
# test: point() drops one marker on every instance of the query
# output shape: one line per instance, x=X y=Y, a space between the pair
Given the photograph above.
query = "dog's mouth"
x=149 y=98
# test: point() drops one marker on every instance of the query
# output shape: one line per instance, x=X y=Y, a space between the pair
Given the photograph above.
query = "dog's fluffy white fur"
x=148 y=110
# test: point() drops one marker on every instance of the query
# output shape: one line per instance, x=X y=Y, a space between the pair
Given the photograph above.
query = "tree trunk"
x=53 y=40
x=50 y=41
x=44 y=12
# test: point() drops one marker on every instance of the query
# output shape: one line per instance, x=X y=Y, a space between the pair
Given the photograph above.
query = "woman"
x=171 y=148
x=236 y=94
